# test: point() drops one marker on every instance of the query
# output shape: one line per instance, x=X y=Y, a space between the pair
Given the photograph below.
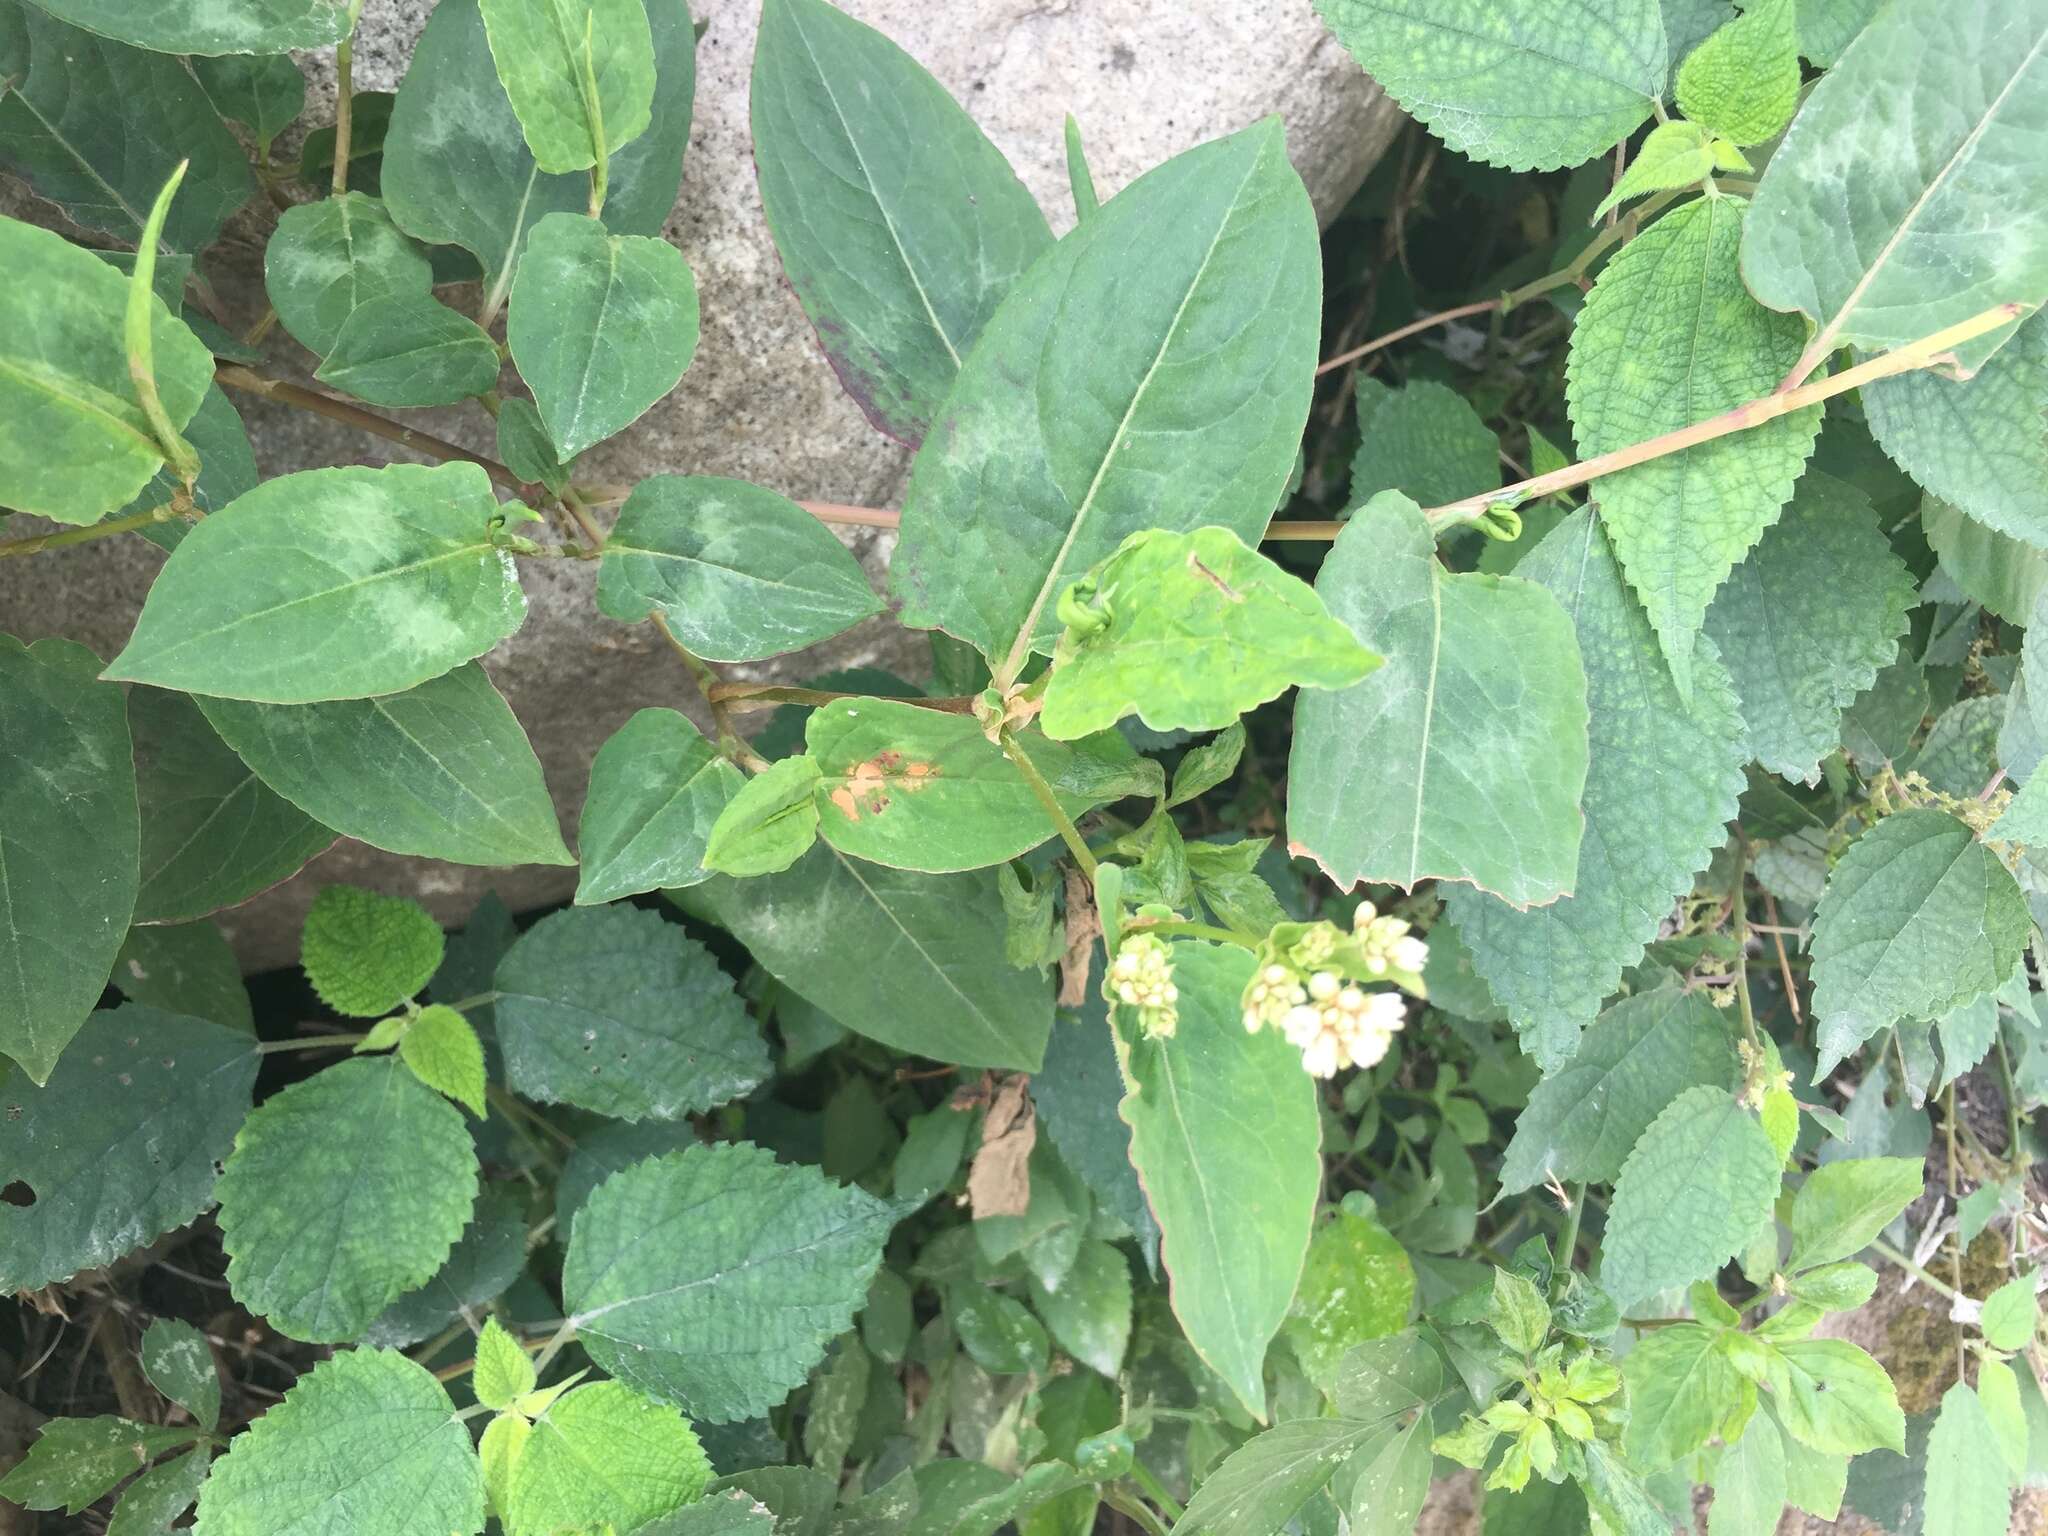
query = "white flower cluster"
x=1387 y=942
x=1141 y=977
x=1333 y=1022
x=1342 y=1025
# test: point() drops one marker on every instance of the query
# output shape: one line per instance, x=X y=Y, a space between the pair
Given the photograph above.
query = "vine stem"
x=708 y=683
x=306 y=1043
x=344 y=93
x=1905 y=1261
x=1156 y=1491
x=1176 y=929
x=168 y=512
x=738 y=696
x=1069 y=834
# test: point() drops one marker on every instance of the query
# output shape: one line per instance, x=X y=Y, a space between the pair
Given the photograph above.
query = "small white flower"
x=1410 y=954
x=1323 y=985
x=1361 y=915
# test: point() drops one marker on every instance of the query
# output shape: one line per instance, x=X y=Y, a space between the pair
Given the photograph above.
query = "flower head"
x=1141 y=977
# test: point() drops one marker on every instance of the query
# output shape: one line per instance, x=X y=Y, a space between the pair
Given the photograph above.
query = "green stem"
x=139 y=334
x=306 y=1043
x=480 y=1000
x=1042 y=791
x=1135 y=1511
x=2012 y=1103
x=554 y=1345
x=344 y=93
x=1739 y=901
x=1156 y=1491
x=1568 y=1239
x=1175 y=928
x=35 y=545
x=593 y=111
x=1903 y=1261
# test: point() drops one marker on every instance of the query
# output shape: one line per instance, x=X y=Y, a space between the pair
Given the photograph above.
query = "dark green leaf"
x=74 y=1462
x=656 y=789
x=179 y=1363
x=211 y=26
x=1259 y=1486
x=403 y=349
x=265 y=93
x=1423 y=440
x=486 y=1259
x=328 y=259
x=185 y=968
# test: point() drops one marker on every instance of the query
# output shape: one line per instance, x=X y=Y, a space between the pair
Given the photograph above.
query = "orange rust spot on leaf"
x=866 y=790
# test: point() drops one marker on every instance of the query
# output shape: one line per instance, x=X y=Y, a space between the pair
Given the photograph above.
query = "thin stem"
x=344 y=92
x=1156 y=1491
x=306 y=1043
x=1043 y=792
x=2012 y=1101
x=1739 y=915
x=1568 y=1237
x=554 y=1345
x=1955 y=1238
x=1415 y=327
x=35 y=545
x=1174 y=928
x=1135 y=1511
x=708 y=683
x=1891 y=1255
x=739 y=696
x=480 y=1000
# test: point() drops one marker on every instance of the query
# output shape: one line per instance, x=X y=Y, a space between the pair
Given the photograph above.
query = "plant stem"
x=1175 y=928
x=344 y=92
x=1739 y=915
x=2012 y=1101
x=553 y=1347
x=708 y=684
x=1043 y=791
x=739 y=696
x=1904 y=1261
x=63 y=539
x=1134 y=1510
x=1568 y=1237
x=1414 y=327
x=480 y=1000
x=305 y=1043
x=1156 y=1491
x=1955 y=1238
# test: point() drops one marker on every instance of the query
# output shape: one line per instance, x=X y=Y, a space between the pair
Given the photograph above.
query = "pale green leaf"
x=1668 y=337
x=504 y=1371
x=602 y=1452
x=75 y=1461
x=211 y=26
x=1695 y=1187
x=1473 y=731
x=1260 y=1486
x=1968 y=1492
x=1682 y=1388
x=1674 y=154
x=2001 y=573
x=900 y=226
x=1391 y=1479
x=1967 y=1032
x=442 y=770
x=1814 y=1480
x=343 y=1192
x=1089 y=1316
x=1960 y=755
x=1919 y=918
x=487 y=1258
x=1532 y=86
x=769 y=824
x=1834 y=1397
x=1998 y=1390
x=1225 y=1134
x=1743 y=82
x=1843 y=1205
x=1826 y=27
x=366 y=1441
x=149 y=1504
x=179 y=1363
x=445 y=1054
x=601 y=325
x=1423 y=440
x=2010 y=1314
x=549 y=52
x=1750 y=1481
x=366 y=953
x=1155 y=365
x=2025 y=820
x=736 y=572
x=1357 y=1284
x=408 y=350
x=1517 y=1312
x=656 y=789
x=619 y=1011
x=713 y=1278
x=328 y=259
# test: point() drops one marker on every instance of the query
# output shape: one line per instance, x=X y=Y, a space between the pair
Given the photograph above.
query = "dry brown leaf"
x=999 y=1180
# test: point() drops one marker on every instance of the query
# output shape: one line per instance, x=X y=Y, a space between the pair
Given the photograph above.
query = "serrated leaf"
x=1901 y=201
x=1668 y=337
x=392 y=1456
x=179 y=1363
x=75 y=1461
x=442 y=770
x=1919 y=918
x=486 y=1259
x=2004 y=575
x=1356 y=1284
x=1960 y=755
x=1807 y=621
x=656 y=790
x=2010 y=1314
x=601 y=326
x=618 y=1011
x=1534 y=86
x=550 y=54
x=136 y=1077
x=900 y=226
x=1843 y=1206
x=1968 y=1492
x=1695 y=1187
x=757 y=1266
x=149 y=1504
x=408 y=350
x=769 y=824
x=68 y=844
x=1185 y=314
x=1423 y=440
x=1636 y=1058
x=603 y=1453
x=1675 y=154
x=343 y=1192
x=330 y=584
x=1225 y=1134
x=366 y=953
x=1261 y=1485
x=1089 y=1316
x=445 y=1054
x=1662 y=781
x=504 y=1371
x=736 y=572
x=329 y=258
x=1743 y=81
x=603 y=1152
x=211 y=26
x=1682 y=1387
x=1750 y=1482
x=1474 y=728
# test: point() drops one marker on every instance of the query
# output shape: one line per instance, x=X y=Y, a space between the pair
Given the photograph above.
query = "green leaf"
x=156 y=1498
x=1998 y=1389
x=97 y=128
x=504 y=1371
x=1960 y=755
x=330 y=584
x=2010 y=1314
x=487 y=1258
x=179 y=1363
x=1682 y=1389
x=213 y=834
x=328 y=259
x=74 y=443
x=1357 y=1284
x=656 y=789
x=1076 y=1091
x=1188 y=631
x=1662 y=783
x=1517 y=1312
x=1423 y=440
x=1391 y=1479
x=265 y=93
x=912 y=960
x=1185 y=317
x=391 y=1456
x=1827 y=27
x=1676 y=154
x=442 y=770
x=1968 y=1491
x=227 y=469
x=548 y=53
x=1695 y=1188
x=603 y=1453
x=445 y=1054
x=523 y=445
x=1225 y=1134
x=1636 y=1058
x=1743 y=82
x=1207 y=765
x=601 y=326
x=1918 y=919
x=1807 y=621
x=733 y=1512
x=1834 y=1397
x=343 y=1192
x=1668 y=337
x=1896 y=205
x=74 y=1462
x=770 y=823
x=1750 y=1482
x=136 y=1077
x=1089 y=1316
x=1474 y=729
x=736 y=572
x=619 y=1011
x=406 y=350
x=714 y=1277
x=998 y=1332
x=68 y=841
x=211 y=26
x=604 y=1151
x=1980 y=444
x=1261 y=1485
x=2001 y=573
x=1842 y=1206
x=365 y=953
x=1814 y=1480
x=900 y=226
x=456 y=166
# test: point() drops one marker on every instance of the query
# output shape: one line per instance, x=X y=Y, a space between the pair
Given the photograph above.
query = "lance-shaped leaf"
x=1662 y=782
x=343 y=1192
x=769 y=824
x=457 y=170
x=1529 y=86
x=900 y=225
x=393 y=1456
x=1919 y=918
x=603 y=1453
x=74 y=444
x=330 y=584
x=69 y=833
x=1188 y=631
x=1675 y=154
x=1153 y=370
x=409 y=350
x=137 y=1077
x=1807 y=620
x=1669 y=337
x=913 y=960
x=1907 y=195
x=601 y=326
x=97 y=127
x=656 y=790
x=736 y=572
x=579 y=74
x=1464 y=756
x=1843 y=1205
x=619 y=1011
x=211 y=26
x=714 y=1277
x=328 y=259
x=1225 y=1134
